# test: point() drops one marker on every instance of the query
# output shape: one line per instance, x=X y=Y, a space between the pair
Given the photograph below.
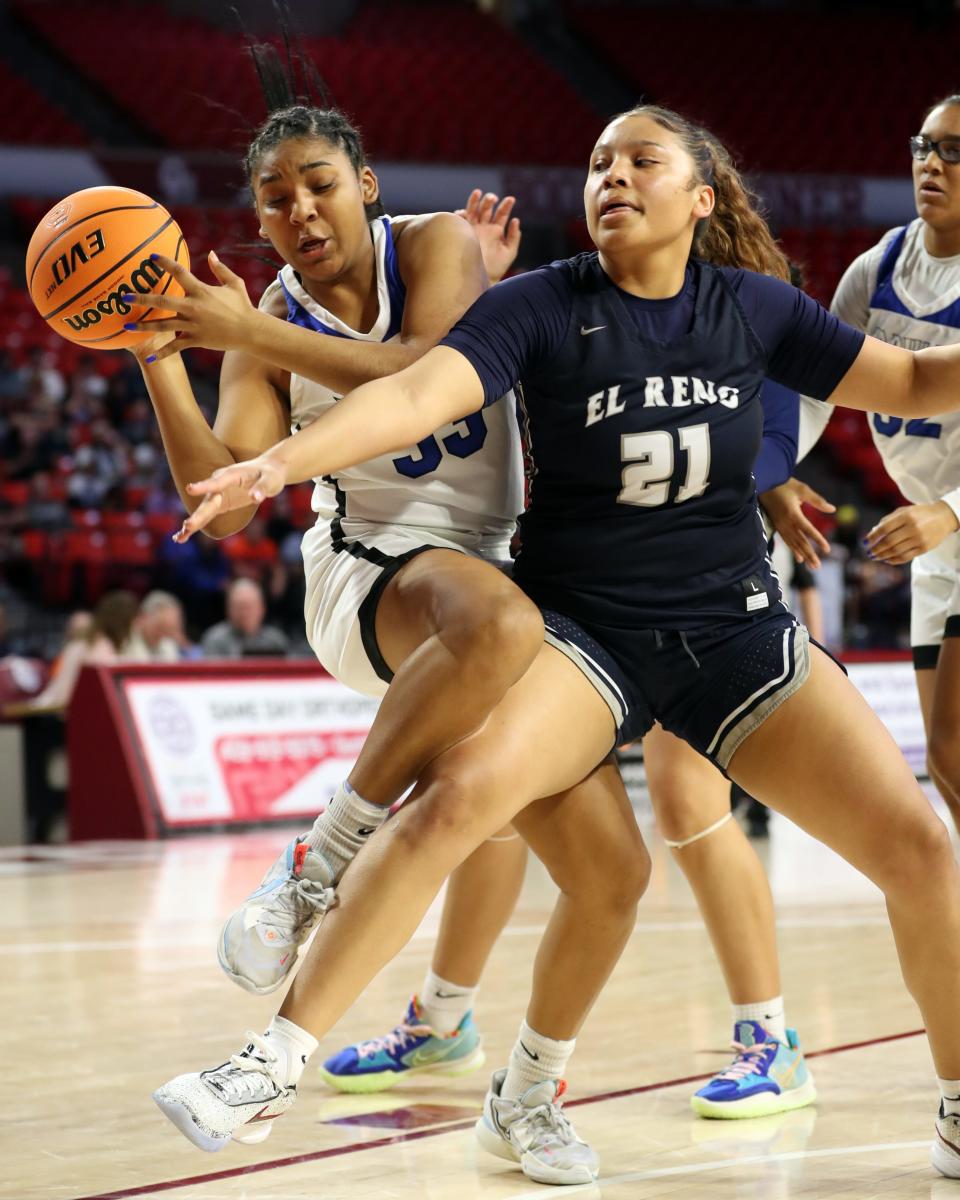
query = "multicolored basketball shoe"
x=237 y=1100
x=533 y=1132
x=413 y=1048
x=766 y=1076
x=945 y=1155
x=260 y=941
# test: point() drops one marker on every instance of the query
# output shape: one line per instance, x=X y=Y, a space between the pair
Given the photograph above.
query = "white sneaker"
x=534 y=1132
x=945 y=1154
x=237 y=1100
x=260 y=941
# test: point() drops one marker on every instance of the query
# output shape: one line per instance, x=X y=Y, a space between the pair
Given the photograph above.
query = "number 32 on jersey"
x=648 y=464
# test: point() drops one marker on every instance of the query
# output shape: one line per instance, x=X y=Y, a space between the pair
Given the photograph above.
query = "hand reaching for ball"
x=216 y=316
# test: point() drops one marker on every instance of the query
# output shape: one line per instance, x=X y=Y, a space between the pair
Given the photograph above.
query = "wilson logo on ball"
x=143 y=280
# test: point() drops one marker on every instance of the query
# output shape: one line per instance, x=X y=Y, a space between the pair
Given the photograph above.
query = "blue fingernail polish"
x=154 y=257
x=152 y=358
x=131 y=326
x=127 y=298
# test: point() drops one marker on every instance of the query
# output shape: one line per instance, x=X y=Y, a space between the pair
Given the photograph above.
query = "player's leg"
x=589 y=841
x=450 y=633
x=943 y=721
x=926 y=678
x=691 y=801
x=437 y=1035
x=934 y=601
x=865 y=804
x=463 y=798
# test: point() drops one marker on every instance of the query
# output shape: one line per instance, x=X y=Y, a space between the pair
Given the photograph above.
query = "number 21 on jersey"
x=648 y=462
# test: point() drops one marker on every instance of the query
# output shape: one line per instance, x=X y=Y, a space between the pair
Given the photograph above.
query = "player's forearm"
x=340 y=364
x=380 y=417
x=192 y=449
x=935 y=385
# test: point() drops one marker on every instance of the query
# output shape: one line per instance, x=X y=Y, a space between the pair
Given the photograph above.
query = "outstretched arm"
x=903 y=383
x=443 y=272
x=381 y=416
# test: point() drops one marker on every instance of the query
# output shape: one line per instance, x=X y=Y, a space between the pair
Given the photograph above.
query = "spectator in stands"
x=105 y=642
x=43 y=510
x=138 y=422
x=86 y=383
x=158 y=633
x=35 y=441
x=243 y=634
x=86 y=486
x=39 y=375
x=11 y=385
x=198 y=573
x=144 y=467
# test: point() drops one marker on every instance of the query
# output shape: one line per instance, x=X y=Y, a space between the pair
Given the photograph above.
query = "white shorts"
x=345 y=578
x=934 y=601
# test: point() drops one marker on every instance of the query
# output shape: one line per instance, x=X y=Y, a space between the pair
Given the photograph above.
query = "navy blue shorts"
x=711 y=687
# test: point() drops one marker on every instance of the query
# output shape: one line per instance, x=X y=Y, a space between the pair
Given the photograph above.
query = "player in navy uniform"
x=641 y=368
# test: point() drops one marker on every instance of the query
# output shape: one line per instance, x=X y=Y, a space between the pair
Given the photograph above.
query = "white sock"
x=443 y=1004
x=293 y=1047
x=768 y=1013
x=533 y=1059
x=341 y=830
x=950 y=1095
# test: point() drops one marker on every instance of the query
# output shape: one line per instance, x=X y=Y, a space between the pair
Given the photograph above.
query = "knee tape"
x=702 y=834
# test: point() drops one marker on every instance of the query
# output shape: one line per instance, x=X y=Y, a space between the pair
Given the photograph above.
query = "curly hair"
x=735 y=234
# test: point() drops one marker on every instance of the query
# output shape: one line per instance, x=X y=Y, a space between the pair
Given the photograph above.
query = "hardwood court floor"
x=110 y=986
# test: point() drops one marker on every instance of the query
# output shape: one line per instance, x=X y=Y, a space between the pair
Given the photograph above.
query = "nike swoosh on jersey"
x=593 y=329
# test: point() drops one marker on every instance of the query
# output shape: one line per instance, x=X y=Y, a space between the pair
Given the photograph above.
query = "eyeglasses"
x=947 y=149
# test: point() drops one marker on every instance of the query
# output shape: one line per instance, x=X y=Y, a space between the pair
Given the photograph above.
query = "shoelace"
x=550 y=1118
x=749 y=1060
x=294 y=902
x=393 y=1041
x=242 y=1078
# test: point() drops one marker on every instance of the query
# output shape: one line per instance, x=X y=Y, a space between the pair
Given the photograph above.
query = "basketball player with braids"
x=402 y=598
x=642 y=547
x=362 y=599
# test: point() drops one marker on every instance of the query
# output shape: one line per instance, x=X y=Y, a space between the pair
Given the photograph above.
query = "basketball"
x=91 y=249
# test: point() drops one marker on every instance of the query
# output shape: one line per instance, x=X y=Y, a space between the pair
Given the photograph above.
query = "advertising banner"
x=891 y=691
x=244 y=750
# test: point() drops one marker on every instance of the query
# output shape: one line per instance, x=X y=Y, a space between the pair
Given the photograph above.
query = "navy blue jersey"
x=644 y=423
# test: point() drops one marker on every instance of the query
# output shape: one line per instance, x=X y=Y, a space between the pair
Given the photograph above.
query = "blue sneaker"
x=411 y=1049
x=766 y=1076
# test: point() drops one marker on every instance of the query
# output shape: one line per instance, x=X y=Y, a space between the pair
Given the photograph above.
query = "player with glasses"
x=946 y=149
x=906 y=290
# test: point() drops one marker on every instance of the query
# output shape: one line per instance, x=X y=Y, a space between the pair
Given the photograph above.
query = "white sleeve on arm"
x=851 y=303
x=952 y=501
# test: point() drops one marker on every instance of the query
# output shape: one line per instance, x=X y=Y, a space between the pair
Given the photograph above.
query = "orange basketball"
x=92 y=248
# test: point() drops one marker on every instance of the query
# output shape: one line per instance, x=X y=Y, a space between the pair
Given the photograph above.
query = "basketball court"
x=111 y=974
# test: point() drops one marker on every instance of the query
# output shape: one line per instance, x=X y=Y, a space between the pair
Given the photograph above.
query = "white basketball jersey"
x=900 y=294
x=467 y=476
